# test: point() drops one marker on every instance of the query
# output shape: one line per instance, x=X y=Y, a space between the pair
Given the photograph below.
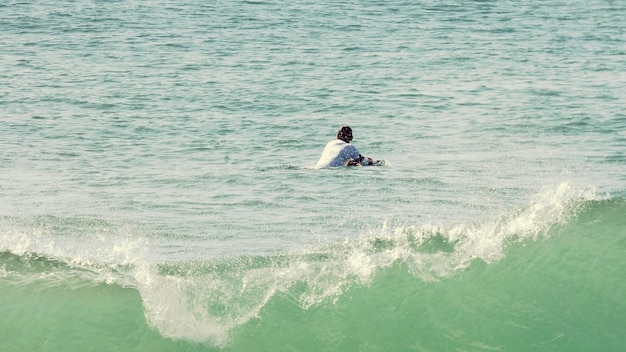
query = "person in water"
x=341 y=153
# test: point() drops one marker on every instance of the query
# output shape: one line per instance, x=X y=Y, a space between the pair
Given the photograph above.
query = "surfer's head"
x=345 y=134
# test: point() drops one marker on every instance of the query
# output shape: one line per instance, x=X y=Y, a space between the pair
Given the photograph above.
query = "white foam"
x=205 y=304
x=184 y=306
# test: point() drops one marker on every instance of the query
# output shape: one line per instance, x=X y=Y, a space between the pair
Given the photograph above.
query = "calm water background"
x=166 y=149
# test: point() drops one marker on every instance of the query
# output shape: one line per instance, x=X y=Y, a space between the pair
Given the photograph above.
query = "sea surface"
x=158 y=189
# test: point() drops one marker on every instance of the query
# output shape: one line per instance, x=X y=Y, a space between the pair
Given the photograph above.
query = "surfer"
x=340 y=152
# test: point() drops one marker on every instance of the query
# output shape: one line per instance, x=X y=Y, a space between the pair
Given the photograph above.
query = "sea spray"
x=202 y=301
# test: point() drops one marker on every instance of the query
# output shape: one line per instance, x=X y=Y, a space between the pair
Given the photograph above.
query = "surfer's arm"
x=365 y=161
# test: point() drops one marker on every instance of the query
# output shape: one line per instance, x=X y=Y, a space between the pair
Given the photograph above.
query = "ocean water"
x=158 y=189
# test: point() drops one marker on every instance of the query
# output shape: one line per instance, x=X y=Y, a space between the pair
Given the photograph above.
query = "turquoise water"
x=157 y=188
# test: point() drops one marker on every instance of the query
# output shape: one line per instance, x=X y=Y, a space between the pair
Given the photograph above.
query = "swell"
x=561 y=292
x=215 y=301
x=557 y=287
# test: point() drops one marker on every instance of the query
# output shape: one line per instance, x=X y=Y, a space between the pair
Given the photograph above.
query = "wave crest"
x=203 y=301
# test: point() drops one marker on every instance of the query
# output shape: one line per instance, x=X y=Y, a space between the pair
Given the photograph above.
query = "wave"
x=213 y=302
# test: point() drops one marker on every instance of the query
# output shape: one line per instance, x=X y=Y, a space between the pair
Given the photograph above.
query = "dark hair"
x=345 y=134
